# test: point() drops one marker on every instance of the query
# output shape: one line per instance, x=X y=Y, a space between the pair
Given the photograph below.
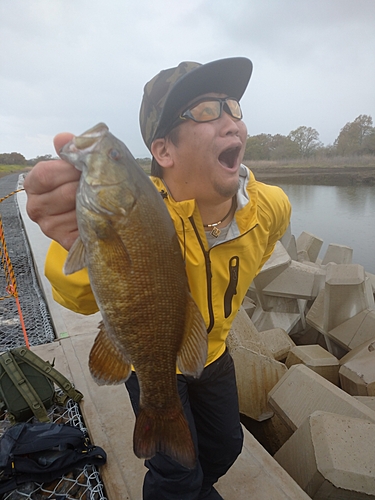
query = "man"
x=227 y=224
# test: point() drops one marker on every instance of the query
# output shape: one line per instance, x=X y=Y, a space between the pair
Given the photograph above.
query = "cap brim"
x=225 y=76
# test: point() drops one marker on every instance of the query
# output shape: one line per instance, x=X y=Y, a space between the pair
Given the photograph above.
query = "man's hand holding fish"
x=51 y=196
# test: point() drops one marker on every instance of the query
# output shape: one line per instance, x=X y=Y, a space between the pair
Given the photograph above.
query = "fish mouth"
x=75 y=151
x=230 y=156
x=86 y=141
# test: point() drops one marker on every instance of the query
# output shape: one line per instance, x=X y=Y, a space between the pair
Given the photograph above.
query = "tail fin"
x=165 y=431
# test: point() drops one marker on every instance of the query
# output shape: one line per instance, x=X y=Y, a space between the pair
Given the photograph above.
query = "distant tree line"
x=355 y=138
x=18 y=159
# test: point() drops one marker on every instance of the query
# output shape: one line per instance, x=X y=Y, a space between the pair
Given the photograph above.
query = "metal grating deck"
x=34 y=310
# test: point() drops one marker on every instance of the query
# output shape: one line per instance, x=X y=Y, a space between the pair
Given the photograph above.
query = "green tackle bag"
x=27 y=385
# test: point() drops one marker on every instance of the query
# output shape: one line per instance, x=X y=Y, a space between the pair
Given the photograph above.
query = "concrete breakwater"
x=304 y=348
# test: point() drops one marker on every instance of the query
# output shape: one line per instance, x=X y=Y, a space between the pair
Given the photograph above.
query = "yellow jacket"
x=220 y=276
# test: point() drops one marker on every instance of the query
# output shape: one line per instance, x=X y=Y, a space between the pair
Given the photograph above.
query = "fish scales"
x=129 y=245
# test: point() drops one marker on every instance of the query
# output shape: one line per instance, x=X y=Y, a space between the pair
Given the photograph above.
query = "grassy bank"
x=335 y=171
x=365 y=161
x=12 y=169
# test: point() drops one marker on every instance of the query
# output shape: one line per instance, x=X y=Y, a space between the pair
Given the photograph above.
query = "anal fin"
x=107 y=364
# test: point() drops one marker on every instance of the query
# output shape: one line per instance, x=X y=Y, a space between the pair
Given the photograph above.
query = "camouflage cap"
x=165 y=95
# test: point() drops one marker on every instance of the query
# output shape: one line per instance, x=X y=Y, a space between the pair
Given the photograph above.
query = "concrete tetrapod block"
x=316 y=358
x=278 y=342
x=315 y=316
x=276 y=264
x=367 y=400
x=309 y=336
x=357 y=370
x=256 y=371
x=247 y=335
x=339 y=254
x=355 y=331
x=345 y=294
x=332 y=457
x=371 y=278
x=301 y=391
x=347 y=328
x=280 y=312
x=268 y=320
x=298 y=281
x=308 y=247
x=249 y=305
x=288 y=241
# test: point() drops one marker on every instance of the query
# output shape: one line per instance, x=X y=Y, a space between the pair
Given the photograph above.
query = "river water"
x=336 y=214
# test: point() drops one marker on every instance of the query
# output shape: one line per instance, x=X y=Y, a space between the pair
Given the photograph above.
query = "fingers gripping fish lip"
x=76 y=150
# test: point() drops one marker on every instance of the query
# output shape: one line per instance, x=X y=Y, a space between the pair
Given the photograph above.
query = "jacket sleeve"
x=74 y=291
x=278 y=212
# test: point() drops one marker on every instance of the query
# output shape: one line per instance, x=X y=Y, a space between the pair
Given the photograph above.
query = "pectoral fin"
x=114 y=251
x=108 y=365
x=193 y=353
x=76 y=259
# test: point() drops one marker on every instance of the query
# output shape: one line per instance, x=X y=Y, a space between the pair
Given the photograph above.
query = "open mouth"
x=228 y=158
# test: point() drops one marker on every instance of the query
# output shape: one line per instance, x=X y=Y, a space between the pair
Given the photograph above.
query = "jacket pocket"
x=231 y=290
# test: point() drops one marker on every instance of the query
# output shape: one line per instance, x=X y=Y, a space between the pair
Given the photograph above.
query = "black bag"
x=27 y=385
x=42 y=452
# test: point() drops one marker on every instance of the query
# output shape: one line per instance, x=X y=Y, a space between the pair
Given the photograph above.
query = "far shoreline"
x=326 y=176
x=285 y=173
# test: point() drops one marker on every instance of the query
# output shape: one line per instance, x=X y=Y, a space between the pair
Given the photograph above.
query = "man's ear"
x=160 y=150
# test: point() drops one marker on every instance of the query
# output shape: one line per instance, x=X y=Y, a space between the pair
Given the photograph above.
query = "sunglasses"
x=210 y=109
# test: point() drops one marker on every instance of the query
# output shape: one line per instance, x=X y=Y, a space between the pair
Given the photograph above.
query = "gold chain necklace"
x=215 y=232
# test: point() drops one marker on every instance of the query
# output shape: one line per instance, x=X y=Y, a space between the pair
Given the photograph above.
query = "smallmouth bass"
x=129 y=245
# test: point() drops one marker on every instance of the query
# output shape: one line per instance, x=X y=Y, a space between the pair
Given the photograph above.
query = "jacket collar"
x=247 y=195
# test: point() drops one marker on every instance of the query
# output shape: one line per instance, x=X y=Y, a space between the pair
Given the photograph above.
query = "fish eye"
x=114 y=154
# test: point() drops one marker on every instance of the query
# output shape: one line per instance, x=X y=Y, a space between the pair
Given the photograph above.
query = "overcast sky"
x=67 y=64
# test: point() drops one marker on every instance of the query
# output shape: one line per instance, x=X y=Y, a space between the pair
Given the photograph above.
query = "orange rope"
x=11 y=287
x=11 y=194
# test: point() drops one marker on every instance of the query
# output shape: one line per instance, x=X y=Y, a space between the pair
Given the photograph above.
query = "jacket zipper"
x=233 y=273
x=208 y=276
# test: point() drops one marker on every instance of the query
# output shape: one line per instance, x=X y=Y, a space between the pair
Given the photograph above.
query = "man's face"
x=207 y=158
